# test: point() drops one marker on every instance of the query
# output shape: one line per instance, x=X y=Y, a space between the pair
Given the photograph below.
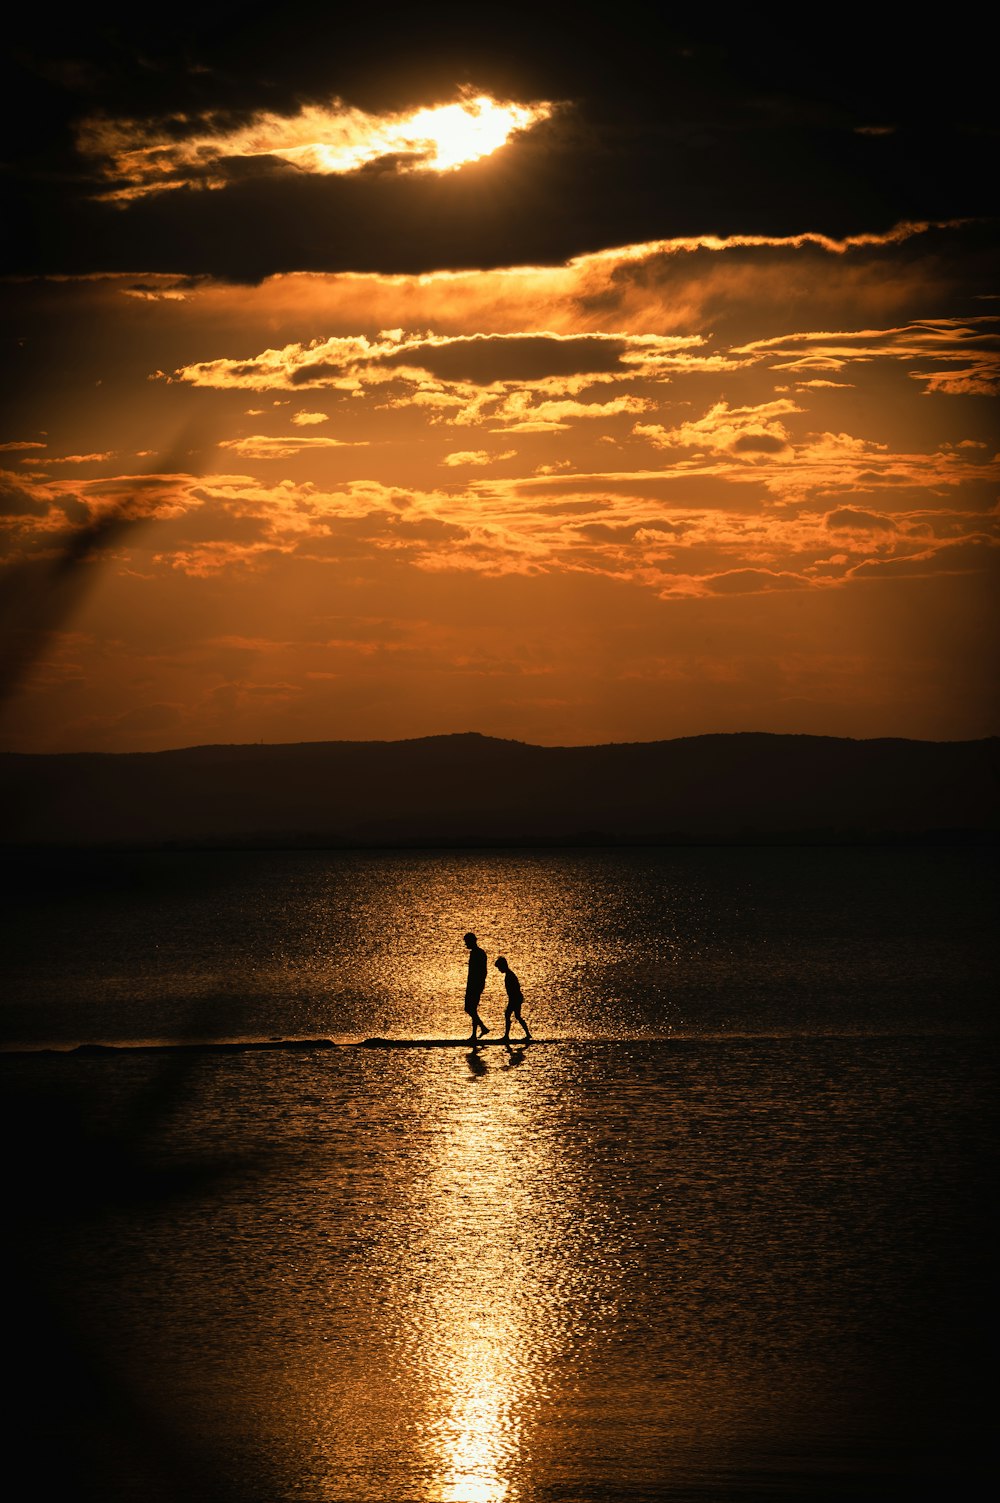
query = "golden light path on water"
x=473 y=1356
x=486 y=1266
x=437 y=1278
x=468 y=1243
x=481 y=1276
x=491 y=1219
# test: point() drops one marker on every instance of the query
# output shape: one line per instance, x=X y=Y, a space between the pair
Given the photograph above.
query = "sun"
x=452 y=135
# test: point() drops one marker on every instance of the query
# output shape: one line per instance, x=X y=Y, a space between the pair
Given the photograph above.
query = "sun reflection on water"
x=485 y=1334
x=477 y=1435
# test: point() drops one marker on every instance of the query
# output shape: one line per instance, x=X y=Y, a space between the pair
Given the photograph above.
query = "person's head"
x=501 y=962
x=470 y=939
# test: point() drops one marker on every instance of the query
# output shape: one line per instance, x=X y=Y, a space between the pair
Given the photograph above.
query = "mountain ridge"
x=467 y=787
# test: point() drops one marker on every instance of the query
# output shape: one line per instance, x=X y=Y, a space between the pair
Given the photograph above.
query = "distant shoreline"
x=477 y=792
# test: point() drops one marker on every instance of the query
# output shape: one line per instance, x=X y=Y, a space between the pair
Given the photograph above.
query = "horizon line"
x=470 y=735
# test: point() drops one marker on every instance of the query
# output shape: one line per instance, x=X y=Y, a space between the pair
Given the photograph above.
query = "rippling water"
x=723 y=1237
x=606 y=943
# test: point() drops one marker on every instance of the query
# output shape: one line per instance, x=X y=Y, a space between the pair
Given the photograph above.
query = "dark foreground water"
x=722 y=1234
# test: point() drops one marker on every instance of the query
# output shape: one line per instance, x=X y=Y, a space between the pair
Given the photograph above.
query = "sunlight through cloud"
x=332 y=139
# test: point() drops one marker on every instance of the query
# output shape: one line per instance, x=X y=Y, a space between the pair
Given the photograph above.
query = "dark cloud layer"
x=483 y=360
x=666 y=130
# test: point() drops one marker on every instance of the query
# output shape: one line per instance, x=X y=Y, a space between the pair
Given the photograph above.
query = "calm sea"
x=720 y=1234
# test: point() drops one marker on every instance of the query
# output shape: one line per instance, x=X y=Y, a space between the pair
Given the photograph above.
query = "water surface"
x=723 y=1237
x=622 y=943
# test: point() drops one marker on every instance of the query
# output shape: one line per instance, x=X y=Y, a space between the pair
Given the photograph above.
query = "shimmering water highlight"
x=725 y=1237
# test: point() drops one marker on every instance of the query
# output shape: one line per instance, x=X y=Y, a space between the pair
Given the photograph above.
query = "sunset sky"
x=568 y=380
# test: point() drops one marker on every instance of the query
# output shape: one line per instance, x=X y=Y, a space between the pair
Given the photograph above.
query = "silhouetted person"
x=475 y=985
x=515 y=998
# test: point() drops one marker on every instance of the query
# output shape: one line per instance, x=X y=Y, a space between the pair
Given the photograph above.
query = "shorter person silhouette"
x=515 y=998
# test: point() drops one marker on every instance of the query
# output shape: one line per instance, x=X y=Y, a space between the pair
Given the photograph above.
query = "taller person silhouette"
x=475 y=985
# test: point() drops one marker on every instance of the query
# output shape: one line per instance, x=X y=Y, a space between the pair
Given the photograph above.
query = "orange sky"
x=702 y=482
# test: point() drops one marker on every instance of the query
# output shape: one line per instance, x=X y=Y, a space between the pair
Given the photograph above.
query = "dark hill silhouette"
x=472 y=789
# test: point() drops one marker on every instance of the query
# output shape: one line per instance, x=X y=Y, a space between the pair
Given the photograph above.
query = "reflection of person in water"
x=475 y=985
x=515 y=998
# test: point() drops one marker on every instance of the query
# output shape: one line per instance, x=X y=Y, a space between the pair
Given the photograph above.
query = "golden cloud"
x=644 y=529
x=972 y=343
x=144 y=157
x=456 y=362
x=743 y=431
x=51 y=459
x=476 y=457
x=260 y=446
x=518 y=414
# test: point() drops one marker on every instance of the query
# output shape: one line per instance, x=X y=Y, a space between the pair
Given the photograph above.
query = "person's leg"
x=506 y=1023
x=482 y=1025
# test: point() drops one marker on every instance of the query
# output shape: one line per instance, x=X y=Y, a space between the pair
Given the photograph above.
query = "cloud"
x=477 y=457
x=971 y=344
x=490 y=359
x=683 y=289
x=139 y=158
x=670 y=537
x=972 y=555
x=794 y=462
x=303 y=419
x=850 y=519
x=301 y=146
x=90 y=505
x=655 y=530
x=980 y=380
x=16 y=501
x=344 y=362
x=260 y=446
x=759 y=443
x=518 y=414
x=76 y=458
x=751 y=430
x=753 y=581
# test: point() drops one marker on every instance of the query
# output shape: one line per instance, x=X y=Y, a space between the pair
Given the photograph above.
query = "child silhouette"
x=515 y=998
